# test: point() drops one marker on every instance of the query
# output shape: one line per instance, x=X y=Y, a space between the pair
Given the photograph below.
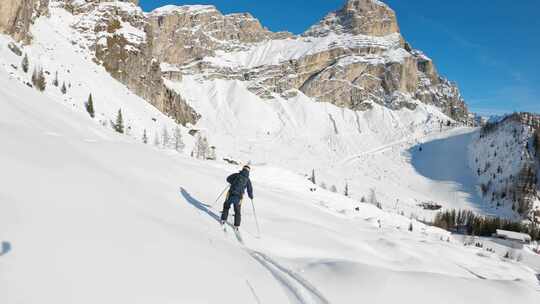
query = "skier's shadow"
x=199 y=205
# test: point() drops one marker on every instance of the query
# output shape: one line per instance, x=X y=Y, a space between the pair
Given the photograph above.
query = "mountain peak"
x=358 y=17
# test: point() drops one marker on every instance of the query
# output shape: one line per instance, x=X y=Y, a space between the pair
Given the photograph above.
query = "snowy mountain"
x=93 y=216
x=505 y=156
x=257 y=95
x=90 y=215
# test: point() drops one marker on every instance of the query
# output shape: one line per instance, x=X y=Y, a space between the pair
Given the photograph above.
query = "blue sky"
x=491 y=48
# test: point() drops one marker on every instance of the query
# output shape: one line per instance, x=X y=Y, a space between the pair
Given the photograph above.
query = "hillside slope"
x=93 y=216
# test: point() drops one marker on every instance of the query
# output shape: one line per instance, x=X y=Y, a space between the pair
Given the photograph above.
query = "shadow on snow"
x=199 y=205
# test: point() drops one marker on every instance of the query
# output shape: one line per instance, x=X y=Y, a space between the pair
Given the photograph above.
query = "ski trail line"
x=253 y=292
x=472 y=272
x=301 y=290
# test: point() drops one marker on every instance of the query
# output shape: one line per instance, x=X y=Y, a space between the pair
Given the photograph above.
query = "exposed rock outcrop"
x=358 y=17
x=121 y=38
x=365 y=60
x=353 y=58
x=186 y=33
x=16 y=16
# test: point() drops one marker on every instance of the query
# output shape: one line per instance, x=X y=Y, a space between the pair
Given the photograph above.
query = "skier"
x=239 y=183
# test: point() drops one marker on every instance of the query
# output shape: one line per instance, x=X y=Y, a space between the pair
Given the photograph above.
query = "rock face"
x=187 y=33
x=358 y=17
x=354 y=58
x=17 y=15
x=121 y=37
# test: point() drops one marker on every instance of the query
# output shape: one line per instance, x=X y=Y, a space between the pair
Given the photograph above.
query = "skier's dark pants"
x=235 y=200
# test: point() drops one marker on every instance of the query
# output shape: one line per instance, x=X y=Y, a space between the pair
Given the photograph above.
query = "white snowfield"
x=89 y=216
x=95 y=217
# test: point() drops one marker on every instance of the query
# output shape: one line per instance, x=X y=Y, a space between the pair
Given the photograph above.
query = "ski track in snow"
x=298 y=289
x=301 y=290
x=472 y=272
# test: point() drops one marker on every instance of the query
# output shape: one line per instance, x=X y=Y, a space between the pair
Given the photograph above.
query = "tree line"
x=465 y=221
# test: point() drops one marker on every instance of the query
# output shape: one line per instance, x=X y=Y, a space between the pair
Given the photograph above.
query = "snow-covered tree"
x=410 y=227
x=333 y=189
x=118 y=125
x=144 y=137
x=63 y=89
x=212 y=153
x=25 y=63
x=89 y=105
x=201 y=147
x=373 y=199
x=177 y=140
x=165 y=138
x=323 y=185
x=346 y=192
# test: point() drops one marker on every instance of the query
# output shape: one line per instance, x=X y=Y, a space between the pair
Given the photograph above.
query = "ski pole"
x=220 y=195
x=256 y=221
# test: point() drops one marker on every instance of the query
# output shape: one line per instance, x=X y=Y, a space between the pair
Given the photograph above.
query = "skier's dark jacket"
x=239 y=183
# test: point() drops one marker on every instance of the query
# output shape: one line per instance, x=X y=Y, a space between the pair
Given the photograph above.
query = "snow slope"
x=96 y=217
x=366 y=150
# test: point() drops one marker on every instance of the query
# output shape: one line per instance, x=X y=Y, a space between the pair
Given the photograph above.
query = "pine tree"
x=165 y=137
x=89 y=105
x=410 y=227
x=333 y=189
x=63 y=89
x=201 y=147
x=212 y=153
x=38 y=79
x=25 y=63
x=55 y=81
x=177 y=138
x=346 y=189
x=144 y=137
x=118 y=126
x=312 y=179
x=34 y=77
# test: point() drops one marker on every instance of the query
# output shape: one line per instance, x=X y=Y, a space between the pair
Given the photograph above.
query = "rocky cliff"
x=358 y=17
x=121 y=38
x=353 y=58
x=16 y=16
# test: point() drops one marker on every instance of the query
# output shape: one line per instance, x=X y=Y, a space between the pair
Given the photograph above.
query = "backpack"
x=239 y=185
